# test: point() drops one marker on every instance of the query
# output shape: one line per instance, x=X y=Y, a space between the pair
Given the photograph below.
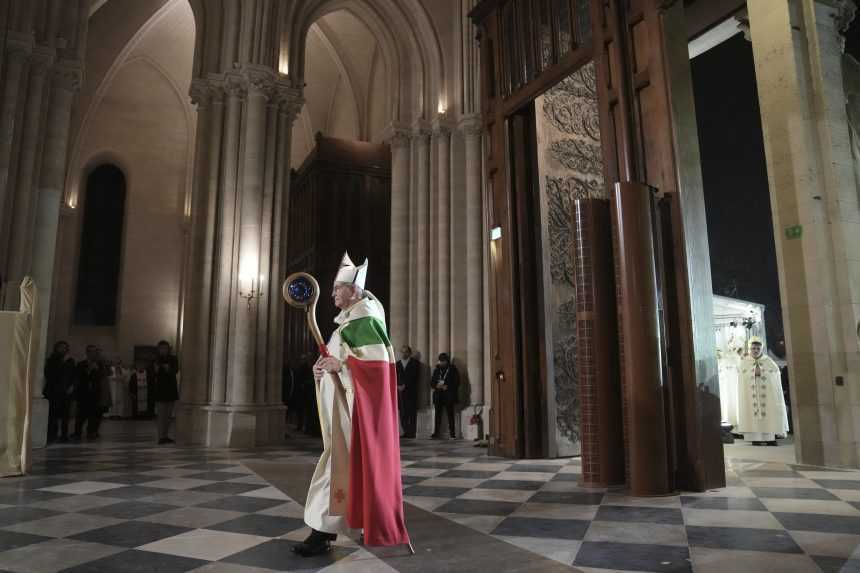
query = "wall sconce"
x=250 y=288
x=495 y=233
x=441 y=108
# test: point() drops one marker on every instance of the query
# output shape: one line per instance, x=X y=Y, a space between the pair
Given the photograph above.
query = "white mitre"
x=350 y=274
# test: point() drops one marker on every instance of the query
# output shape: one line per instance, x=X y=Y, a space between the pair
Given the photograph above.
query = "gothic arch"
x=408 y=42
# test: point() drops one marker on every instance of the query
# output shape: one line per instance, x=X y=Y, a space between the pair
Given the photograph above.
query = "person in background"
x=163 y=371
x=138 y=390
x=90 y=379
x=445 y=383
x=408 y=378
x=59 y=390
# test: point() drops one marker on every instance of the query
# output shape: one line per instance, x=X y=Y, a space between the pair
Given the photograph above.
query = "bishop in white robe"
x=762 y=414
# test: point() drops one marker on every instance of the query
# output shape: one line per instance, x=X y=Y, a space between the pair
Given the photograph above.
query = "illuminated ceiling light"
x=495 y=233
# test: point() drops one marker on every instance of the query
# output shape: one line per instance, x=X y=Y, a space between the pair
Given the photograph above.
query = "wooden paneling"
x=340 y=199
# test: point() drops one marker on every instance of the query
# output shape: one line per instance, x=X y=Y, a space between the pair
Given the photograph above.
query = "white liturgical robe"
x=324 y=511
x=761 y=405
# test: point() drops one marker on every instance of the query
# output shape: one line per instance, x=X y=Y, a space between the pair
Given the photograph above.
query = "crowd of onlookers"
x=87 y=390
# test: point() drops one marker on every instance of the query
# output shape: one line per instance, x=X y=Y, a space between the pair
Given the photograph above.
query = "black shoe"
x=409 y=436
x=434 y=436
x=169 y=441
x=317 y=543
x=75 y=436
x=163 y=441
x=64 y=440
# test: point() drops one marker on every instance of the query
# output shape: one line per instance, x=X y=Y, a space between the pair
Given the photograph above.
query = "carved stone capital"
x=200 y=92
x=261 y=81
x=289 y=99
x=68 y=75
x=421 y=132
x=235 y=85
x=397 y=136
x=472 y=125
x=441 y=126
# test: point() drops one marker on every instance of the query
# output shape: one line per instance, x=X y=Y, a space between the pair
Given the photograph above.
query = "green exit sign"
x=794 y=232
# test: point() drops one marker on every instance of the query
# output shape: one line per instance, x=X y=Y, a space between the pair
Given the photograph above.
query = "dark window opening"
x=101 y=248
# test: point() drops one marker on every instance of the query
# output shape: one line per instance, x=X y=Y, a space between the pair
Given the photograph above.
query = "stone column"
x=64 y=85
x=441 y=237
x=23 y=193
x=238 y=227
x=252 y=269
x=797 y=52
x=472 y=127
x=421 y=237
x=398 y=306
x=18 y=49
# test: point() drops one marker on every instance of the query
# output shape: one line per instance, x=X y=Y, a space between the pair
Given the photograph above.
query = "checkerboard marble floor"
x=124 y=504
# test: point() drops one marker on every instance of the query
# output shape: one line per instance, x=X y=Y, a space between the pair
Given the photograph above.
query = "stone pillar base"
x=225 y=426
x=426 y=419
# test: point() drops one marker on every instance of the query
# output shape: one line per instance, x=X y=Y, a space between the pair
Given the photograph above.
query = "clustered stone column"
x=437 y=249
x=797 y=47
x=472 y=128
x=398 y=139
x=40 y=77
x=233 y=334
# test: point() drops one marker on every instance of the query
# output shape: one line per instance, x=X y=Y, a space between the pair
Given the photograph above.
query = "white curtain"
x=19 y=364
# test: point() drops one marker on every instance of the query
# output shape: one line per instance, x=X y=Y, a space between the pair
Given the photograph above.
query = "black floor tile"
x=131 y=492
x=664 y=515
x=39 y=482
x=215 y=476
x=571 y=497
x=227 y=488
x=838 y=483
x=208 y=466
x=138 y=562
x=819 y=522
x=130 y=533
x=436 y=465
x=794 y=493
x=567 y=477
x=13 y=540
x=632 y=556
x=805 y=468
x=412 y=480
x=478 y=507
x=468 y=474
x=544 y=528
x=435 y=491
x=534 y=468
x=768 y=474
x=28 y=496
x=277 y=554
x=743 y=503
x=265 y=525
x=132 y=478
x=19 y=514
x=742 y=539
x=830 y=564
x=130 y=509
x=241 y=503
x=511 y=484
